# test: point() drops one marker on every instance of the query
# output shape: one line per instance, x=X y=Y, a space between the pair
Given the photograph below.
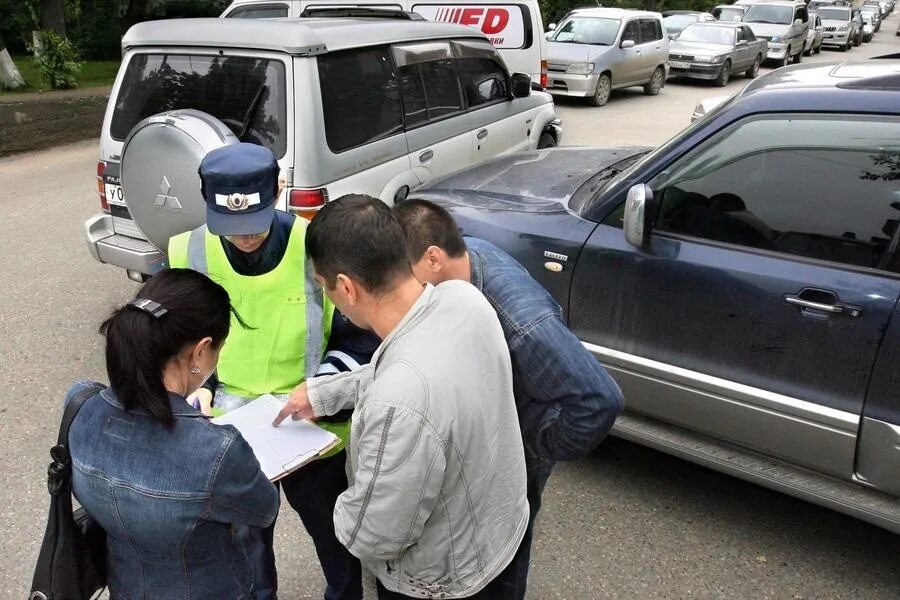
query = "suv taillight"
x=101 y=186
x=306 y=203
x=544 y=74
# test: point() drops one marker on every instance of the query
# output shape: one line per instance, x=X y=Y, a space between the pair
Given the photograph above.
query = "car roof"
x=305 y=37
x=862 y=85
x=723 y=24
x=619 y=13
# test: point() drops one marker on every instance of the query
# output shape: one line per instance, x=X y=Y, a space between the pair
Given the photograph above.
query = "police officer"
x=257 y=254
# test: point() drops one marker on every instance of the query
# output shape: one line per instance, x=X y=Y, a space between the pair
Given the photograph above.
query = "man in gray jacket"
x=437 y=505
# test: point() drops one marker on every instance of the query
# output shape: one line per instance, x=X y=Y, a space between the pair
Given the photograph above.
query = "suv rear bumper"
x=132 y=254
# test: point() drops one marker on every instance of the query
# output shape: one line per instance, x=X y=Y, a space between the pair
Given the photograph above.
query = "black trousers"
x=312 y=491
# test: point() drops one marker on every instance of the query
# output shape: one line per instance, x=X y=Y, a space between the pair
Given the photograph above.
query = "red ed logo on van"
x=502 y=24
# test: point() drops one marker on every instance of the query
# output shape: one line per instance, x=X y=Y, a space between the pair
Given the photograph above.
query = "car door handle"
x=426 y=156
x=822 y=300
x=835 y=309
x=482 y=134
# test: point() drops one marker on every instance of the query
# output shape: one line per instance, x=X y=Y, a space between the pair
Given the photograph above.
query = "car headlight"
x=709 y=59
x=843 y=27
x=580 y=68
x=776 y=38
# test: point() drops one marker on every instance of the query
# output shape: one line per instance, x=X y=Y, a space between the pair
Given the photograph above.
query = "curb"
x=36 y=121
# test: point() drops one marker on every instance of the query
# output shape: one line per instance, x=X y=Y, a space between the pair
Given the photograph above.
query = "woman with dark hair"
x=167 y=486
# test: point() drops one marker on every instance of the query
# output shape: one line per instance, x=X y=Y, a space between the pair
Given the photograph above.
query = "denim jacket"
x=168 y=498
x=566 y=400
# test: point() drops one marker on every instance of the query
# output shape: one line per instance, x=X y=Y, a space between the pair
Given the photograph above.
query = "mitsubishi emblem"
x=164 y=200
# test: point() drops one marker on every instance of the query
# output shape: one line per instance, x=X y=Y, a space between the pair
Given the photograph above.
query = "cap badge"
x=238 y=202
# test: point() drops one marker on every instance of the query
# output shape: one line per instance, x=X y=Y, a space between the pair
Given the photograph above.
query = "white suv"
x=347 y=105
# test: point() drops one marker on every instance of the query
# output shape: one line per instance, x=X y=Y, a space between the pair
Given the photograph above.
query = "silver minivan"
x=784 y=25
x=347 y=105
x=596 y=50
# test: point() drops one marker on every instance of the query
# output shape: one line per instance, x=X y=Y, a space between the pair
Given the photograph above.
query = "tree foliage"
x=56 y=60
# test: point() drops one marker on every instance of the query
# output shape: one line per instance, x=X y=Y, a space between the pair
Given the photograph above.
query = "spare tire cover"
x=160 y=160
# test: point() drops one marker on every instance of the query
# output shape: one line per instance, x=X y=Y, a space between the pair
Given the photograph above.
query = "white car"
x=351 y=105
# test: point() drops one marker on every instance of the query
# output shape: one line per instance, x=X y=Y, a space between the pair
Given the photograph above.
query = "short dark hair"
x=358 y=236
x=139 y=344
x=426 y=224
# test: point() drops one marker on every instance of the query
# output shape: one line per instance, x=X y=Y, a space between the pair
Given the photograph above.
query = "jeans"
x=258 y=544
x=312 y=491
x=512 y=581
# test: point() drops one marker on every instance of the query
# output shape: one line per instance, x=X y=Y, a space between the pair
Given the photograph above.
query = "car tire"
x=546 y=141
x=724 y=74
x=786 y=60
x=808 y=52
x=656 y=82
x=602 y=91
x=753 y=71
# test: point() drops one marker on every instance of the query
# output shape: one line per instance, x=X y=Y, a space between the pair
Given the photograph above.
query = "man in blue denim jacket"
x=566 y=400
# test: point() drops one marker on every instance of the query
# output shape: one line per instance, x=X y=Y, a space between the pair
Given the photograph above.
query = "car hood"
x=834 y=22
x=564 y=54
x=768 y=29
x=536 y=181
x=676 y=47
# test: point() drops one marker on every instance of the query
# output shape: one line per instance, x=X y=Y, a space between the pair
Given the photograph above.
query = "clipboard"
x=280 y=450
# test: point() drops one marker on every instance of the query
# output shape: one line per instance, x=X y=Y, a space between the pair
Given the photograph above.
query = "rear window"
x=246 y=94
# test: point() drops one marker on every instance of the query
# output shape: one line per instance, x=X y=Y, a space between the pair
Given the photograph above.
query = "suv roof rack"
x=359 y=12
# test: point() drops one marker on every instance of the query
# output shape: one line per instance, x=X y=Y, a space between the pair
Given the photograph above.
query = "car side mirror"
x=626 y=44
x=551 y=27
x=521 y=85
x=818 y=28
x=639 y=211
x=798 y=23
x=548 y=35
x=741 y=43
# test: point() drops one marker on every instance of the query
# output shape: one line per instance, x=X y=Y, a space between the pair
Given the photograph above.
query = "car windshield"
x=730 y=14
x=769 y=13
x=675 y=23
x=834 y=14
x=709 y=34
x=596 y=31
x=247 y=94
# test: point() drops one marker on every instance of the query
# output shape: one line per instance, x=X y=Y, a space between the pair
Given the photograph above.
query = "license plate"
x=677 y=64
x=114 y=193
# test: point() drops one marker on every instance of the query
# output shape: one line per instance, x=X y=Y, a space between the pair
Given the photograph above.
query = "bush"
x=56 y=60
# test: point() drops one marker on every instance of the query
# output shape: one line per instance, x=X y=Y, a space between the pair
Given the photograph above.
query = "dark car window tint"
x=821 y=187
x=481 y=72
x=360 y=97
x=247 y=94
x=261 y=12
x=430 y=86
x=648 y=31
x=631 y=32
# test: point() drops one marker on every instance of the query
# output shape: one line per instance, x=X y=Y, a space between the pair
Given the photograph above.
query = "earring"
x=195 y=370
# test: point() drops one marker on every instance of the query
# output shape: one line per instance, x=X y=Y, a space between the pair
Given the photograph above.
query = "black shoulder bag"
x=72 y=562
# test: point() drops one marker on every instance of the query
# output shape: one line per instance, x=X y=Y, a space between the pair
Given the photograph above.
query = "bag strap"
x=72 y=408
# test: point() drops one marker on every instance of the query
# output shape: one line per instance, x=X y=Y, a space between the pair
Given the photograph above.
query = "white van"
x=347 y=105
x=514 y=27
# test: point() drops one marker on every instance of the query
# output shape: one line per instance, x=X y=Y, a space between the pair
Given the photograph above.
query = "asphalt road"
x=626 y=522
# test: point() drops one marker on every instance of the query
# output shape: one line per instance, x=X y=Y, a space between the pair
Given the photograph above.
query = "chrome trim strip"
x=757 y=397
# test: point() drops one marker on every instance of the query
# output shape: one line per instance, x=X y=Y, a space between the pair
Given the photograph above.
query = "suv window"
x=360 y=97
x=269 y=11
x=649 y=31
x=742 y=188
x=245 y=93
x=632 y=32
x=428 y=81
x=481 y=72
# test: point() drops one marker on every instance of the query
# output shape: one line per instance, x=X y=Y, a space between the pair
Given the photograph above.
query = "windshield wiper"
x=251 y=112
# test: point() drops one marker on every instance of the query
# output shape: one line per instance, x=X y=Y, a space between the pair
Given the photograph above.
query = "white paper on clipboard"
x=279 y=450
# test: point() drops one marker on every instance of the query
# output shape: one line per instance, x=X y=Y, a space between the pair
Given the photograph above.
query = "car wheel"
x=808 y=52
x=656 y=82
x=724 y=74
x=601 y=94
x=753 y=71
x=798 y=57
x=546 y=141
x=786 y=60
